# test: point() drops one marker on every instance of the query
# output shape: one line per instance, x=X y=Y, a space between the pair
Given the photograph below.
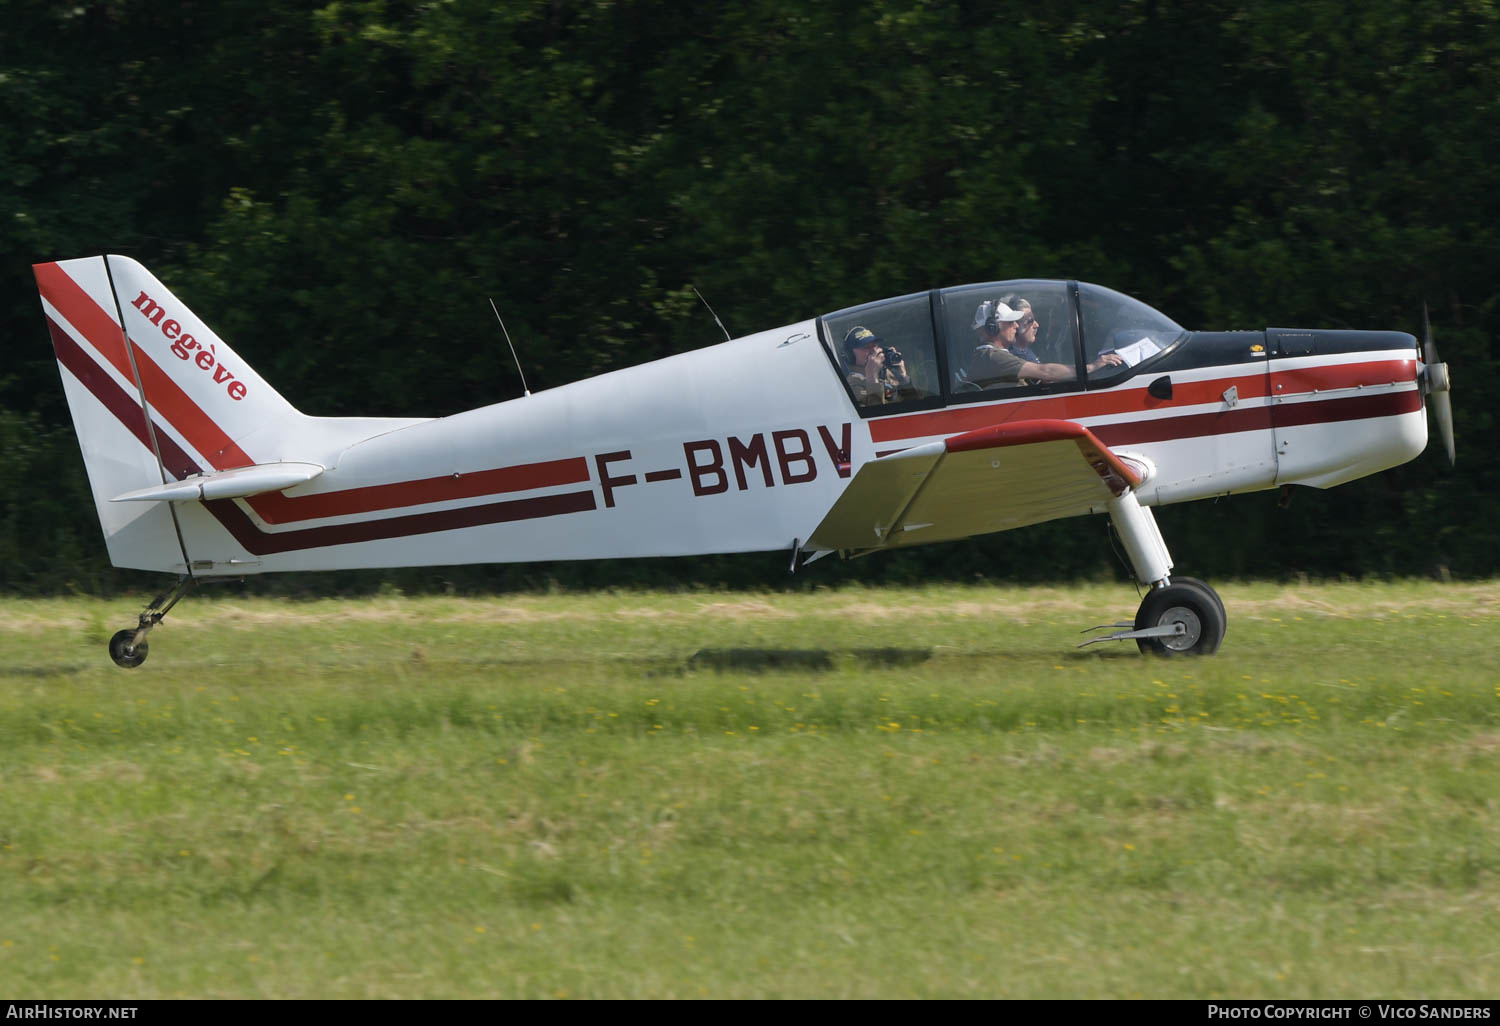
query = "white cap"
x=994 y=310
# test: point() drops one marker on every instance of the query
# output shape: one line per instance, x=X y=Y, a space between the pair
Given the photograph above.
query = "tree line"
x=340 y=189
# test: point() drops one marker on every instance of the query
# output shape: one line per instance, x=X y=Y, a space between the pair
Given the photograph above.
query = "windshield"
x=1114 y=322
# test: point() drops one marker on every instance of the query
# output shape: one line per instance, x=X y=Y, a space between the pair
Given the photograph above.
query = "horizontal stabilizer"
x=227 y=484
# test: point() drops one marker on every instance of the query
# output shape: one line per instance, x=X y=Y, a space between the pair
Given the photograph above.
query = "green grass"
x=864 y=793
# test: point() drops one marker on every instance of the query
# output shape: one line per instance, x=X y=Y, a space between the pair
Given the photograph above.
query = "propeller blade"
x=1437 y=387
x=1442 y=409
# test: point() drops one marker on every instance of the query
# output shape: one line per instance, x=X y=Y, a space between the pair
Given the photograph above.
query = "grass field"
x=853 y=793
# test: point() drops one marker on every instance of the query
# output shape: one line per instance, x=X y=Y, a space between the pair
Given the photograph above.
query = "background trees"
x=340 y=189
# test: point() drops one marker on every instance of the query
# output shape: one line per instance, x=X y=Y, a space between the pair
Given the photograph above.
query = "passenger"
x=1026 y=329
x=1002 y=358
x=876 y=372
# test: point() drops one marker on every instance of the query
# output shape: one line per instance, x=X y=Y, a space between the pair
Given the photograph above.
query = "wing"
x=988 y=480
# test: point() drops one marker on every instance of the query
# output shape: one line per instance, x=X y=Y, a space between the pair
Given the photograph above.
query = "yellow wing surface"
x=988 y=480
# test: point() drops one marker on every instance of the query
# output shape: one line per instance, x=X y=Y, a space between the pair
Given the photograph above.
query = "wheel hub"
x=1192 y=628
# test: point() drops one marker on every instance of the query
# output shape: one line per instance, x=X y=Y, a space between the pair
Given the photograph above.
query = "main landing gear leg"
x=1177 y=617
x=128 y=648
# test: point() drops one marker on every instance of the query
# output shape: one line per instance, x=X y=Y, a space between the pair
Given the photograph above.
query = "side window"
x=885 y=351
x=1009 y=335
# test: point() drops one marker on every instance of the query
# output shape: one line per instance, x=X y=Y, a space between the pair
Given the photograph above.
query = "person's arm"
x=1047 y=372
x=1062 y=372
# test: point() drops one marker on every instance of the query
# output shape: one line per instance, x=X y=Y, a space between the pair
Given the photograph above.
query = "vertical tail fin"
x=155 y=396
x=212 y=404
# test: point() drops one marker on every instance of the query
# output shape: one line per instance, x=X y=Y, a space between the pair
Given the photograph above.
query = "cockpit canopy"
x=975 y=342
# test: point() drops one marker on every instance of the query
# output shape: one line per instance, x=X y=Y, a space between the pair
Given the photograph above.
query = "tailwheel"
x=126 y=651
x=1187 y=604
x=128 y=648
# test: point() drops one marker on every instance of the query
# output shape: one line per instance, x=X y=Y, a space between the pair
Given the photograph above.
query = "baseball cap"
x=993 y=313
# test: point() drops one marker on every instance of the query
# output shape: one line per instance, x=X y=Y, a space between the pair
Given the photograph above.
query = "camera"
x=892 y=356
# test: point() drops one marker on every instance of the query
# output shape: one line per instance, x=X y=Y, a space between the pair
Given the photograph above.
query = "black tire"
x=123 y=654
x=1195 y=606
x=1193 y=582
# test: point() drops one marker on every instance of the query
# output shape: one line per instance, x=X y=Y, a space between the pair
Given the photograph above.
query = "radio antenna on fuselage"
x=512 y=345
x=727 y=337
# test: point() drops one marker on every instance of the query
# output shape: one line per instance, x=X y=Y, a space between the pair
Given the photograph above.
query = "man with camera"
x=876 y=372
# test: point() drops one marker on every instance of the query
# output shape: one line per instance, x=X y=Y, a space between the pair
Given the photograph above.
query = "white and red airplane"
x=928 y=417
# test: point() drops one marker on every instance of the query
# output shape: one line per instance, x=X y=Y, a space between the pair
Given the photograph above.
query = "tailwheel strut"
x=128 y=648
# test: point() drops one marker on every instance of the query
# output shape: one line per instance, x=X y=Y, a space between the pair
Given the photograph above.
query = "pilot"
x=992 y=362
x=1001 y=358
x=876 y=372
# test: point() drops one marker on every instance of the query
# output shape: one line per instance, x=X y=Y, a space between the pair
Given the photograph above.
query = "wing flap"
x=993 y=479
x=876 y=499
x=227 y=484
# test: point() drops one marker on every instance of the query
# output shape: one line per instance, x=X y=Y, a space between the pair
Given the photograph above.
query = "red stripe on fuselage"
x=1077 y=406
x=1295 y=380
x=1199 y=425
x=1317 y=411
x=275 y=508
x=261 y=543
x=1357 y=407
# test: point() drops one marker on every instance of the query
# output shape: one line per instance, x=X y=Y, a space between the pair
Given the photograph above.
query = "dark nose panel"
x=1214 y=349
x=1302 y=342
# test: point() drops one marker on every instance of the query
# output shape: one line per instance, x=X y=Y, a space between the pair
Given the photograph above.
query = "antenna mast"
x=720 y=323
x=512 y=345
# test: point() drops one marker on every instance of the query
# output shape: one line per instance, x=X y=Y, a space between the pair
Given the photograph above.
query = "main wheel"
x=1190 y=603
x=1193 y=582
x=127 y=655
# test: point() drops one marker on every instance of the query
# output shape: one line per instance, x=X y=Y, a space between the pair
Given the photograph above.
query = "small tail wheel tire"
x=124 y=653
x=1193 y=605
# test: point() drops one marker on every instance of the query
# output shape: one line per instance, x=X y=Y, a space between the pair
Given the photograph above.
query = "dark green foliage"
x=339 y=190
